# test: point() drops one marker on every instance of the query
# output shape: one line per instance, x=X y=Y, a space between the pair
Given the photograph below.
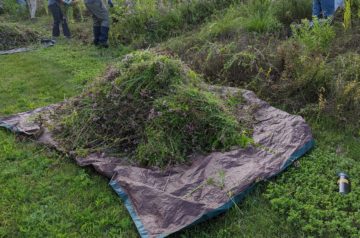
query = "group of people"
x=99 y=13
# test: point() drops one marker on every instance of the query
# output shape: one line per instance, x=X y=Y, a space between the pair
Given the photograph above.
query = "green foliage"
x=151 y=108
x=189 y=121
x=345 y=88
x=225 y=25
x=347 y=14
x=146 y=23
x=259 y=16
x=253 y=16
x=288 y=11
x=331 y=84
x=14 y=35
x=13 y=9
x=315 y=206
x=315 y=37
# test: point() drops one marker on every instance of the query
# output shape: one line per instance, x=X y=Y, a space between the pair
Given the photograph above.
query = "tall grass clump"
x=151 y=109
x=288 y=11
x=345 y=87
x=259 y=16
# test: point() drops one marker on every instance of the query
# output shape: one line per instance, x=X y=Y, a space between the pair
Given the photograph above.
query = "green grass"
x=46 y=76
x=44 y=194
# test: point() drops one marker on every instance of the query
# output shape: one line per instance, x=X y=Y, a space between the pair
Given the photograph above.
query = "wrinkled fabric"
x=162 y=202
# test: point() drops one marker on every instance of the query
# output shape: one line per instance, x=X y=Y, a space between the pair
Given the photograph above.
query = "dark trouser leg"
x=57 y=15
x=101 y=19
x=96 y=29
x=65 y=27
x=104 y=36
x=97 y=32
x=317 y=11
x=328 y=8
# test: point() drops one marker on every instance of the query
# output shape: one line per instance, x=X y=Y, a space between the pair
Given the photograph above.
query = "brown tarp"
x=162 y=202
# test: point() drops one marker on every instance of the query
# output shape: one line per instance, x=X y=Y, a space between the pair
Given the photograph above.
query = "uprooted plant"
x=151 y=109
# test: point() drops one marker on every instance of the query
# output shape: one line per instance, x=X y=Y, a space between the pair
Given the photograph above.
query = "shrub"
x=288 y=11
x=315 y=37
x=146 y=23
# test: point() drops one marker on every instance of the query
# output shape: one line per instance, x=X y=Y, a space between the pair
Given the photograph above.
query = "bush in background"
x=288 y=11
x=145 y=23
x=14 y=35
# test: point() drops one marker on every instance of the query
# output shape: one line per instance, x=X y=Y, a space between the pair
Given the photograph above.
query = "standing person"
x=101 y=23
x=59 y=17
x=323 y=8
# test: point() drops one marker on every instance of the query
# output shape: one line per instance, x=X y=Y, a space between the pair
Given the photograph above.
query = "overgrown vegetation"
x=14 y=35
x=296 y=69
x=144 y=23
x=150 y=108
x=314 y=72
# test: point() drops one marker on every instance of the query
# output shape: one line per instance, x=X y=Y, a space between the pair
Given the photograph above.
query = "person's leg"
x=64 y=24
x=96 y=21
x=96 y=29
x=328 y=8
x=33 y=8
x=101 y=19
x=56 y=13
x=316 y=11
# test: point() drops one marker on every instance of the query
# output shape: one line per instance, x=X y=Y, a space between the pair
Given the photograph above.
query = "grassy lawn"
x=44 y=194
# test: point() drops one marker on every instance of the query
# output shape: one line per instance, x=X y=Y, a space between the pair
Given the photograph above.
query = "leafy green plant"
x=315 y=36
